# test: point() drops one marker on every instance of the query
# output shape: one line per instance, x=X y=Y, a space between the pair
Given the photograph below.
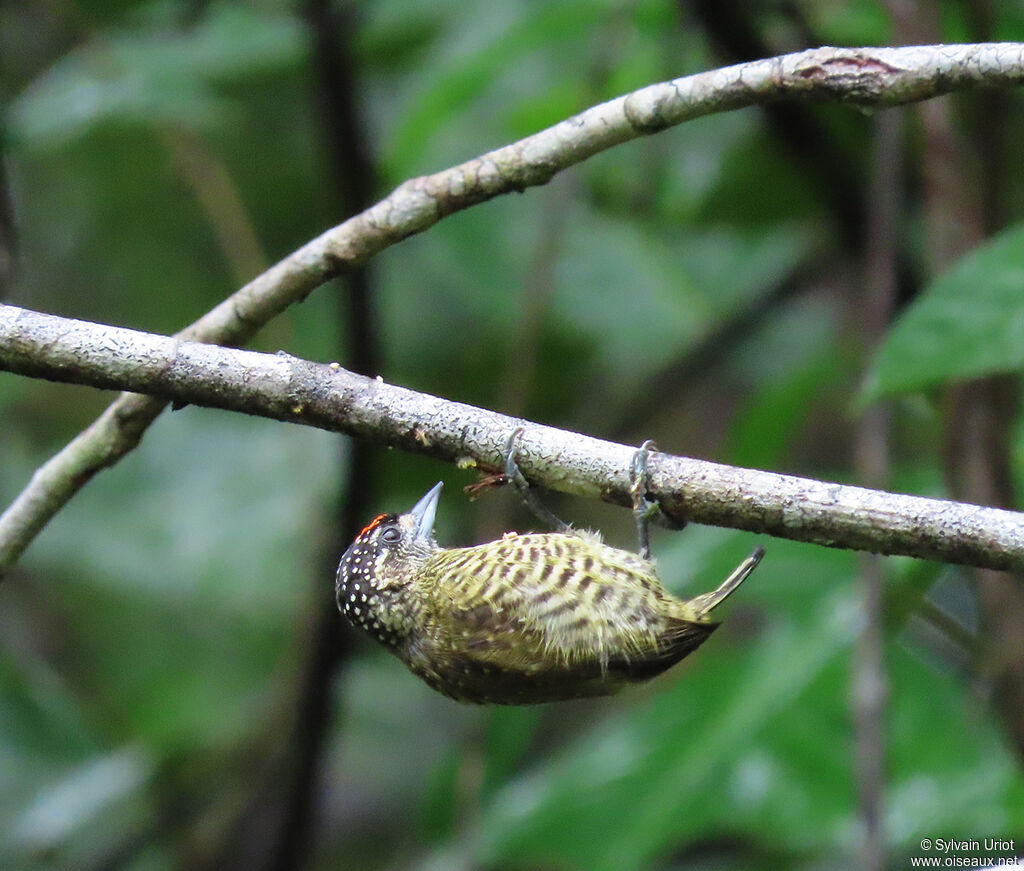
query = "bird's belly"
x=526 y=679
x=527 y=685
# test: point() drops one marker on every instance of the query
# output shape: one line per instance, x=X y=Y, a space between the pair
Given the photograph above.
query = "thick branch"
x=286 y=388
x=864 y=76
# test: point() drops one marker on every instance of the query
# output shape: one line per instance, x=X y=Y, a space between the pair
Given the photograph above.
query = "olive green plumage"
x=525 y=619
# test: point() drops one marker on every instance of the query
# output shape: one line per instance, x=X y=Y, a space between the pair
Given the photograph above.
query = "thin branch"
x=981 y=414
x=869 y=684
x=731 y=28
x=326 y=396
x=867 y=77
x=713 y=348
x=332 y=29
x=217 y=195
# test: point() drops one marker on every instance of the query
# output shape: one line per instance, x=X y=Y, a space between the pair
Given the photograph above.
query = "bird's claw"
x=515 y=477
x=644 y=510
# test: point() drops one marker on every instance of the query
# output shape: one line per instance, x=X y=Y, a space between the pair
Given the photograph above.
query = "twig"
x=712 y=349
x=804 y=136
x=868 y=77
x=286 y=388
x=870 y=684
x=345 y=141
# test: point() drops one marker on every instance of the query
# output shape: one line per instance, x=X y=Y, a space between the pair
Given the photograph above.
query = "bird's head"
x=383 y=560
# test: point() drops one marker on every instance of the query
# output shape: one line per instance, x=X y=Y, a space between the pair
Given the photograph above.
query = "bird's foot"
x=515 y=477
x=644 y=510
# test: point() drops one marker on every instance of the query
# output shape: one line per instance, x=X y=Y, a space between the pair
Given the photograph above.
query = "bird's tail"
x=703 y=604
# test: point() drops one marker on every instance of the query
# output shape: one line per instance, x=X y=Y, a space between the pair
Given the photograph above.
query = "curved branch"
x=326 y=396
x=864 y=76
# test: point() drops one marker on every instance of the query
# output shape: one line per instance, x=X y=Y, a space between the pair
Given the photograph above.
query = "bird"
x=525 y=619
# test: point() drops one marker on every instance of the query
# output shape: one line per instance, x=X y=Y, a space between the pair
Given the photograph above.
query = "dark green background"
x=153 y=639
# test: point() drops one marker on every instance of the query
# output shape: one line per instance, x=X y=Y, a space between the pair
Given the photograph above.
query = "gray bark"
x=325 y=395
x=867 y=77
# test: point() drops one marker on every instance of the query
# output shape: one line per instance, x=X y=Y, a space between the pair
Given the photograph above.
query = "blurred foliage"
x=967 y=323
x=153 y=638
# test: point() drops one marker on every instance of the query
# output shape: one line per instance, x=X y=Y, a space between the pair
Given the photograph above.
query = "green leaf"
x=968 y=322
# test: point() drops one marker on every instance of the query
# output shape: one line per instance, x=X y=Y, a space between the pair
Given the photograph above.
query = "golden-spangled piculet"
x=524 y=619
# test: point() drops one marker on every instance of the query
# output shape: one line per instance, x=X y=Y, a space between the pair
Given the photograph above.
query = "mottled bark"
x=326 y=396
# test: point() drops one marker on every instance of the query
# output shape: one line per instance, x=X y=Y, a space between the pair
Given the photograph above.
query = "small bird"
x=524 y=619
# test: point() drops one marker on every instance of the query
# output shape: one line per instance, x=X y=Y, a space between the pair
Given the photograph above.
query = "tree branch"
x=863 y=76
x=326 y=396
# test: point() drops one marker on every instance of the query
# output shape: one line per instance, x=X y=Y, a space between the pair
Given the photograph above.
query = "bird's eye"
x=391 y=534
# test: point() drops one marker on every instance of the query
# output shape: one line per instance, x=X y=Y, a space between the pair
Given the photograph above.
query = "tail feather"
x=705 y=603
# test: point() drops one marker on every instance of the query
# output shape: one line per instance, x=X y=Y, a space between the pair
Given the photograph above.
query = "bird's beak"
x=425 y=510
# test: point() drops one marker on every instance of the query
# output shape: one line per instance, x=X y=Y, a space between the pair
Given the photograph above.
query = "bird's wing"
x=533 y=595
